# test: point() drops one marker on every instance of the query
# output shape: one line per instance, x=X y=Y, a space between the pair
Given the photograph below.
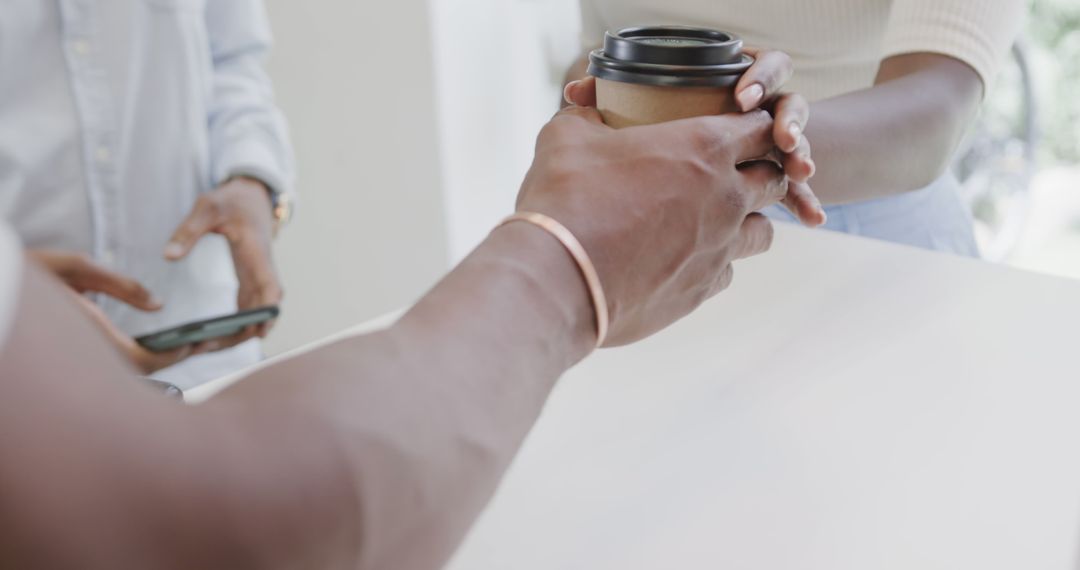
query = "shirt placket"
x=93 y=101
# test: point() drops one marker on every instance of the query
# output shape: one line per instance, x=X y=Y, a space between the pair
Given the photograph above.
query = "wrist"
x=280 y=203
x=552 y=282
x=256 y=198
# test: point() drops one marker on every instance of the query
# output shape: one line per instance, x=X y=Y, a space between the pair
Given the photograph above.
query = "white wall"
x=499 y=65
x=356 y=80
x=414 y=123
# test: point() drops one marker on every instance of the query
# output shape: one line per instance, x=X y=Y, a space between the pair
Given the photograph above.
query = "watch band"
x=282 y=210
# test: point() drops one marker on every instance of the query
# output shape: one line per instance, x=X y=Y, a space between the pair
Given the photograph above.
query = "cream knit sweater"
x=837 y=45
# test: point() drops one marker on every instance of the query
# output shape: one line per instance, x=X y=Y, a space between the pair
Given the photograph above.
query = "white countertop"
x=847 y=405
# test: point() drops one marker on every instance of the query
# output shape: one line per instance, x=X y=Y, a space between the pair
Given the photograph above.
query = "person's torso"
x=835 y=44
x=104 y=143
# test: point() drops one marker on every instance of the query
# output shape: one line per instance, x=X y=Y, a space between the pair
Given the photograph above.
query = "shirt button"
x=81 y=47
x=104 y=155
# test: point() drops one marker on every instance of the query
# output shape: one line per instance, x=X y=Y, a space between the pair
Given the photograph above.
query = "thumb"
x=581 y=92
x=590 y=114
x=199 y=222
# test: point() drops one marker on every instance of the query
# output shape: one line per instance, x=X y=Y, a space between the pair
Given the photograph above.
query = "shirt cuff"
x=256 y=161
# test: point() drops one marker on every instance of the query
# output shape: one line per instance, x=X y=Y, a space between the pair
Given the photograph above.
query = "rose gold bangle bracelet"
x=581 y=257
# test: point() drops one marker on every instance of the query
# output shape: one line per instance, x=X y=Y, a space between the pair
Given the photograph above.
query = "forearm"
x=427 y=416
x=895 y=137
x=376 y=452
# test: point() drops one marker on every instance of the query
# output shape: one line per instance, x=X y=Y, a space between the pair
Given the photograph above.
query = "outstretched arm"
x=378 y=451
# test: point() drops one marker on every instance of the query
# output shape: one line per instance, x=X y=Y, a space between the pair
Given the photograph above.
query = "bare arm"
x=897 y=136
x=428 y=414
x=417 y=425
x=379 y=451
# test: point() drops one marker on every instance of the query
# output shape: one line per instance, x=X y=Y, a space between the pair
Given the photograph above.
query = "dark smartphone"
x=209 y=329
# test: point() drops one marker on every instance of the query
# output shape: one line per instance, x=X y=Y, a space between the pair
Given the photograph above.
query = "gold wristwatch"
x=282 y=209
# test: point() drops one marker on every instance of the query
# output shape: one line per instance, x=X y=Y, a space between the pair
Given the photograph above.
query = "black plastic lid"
x=671 y=56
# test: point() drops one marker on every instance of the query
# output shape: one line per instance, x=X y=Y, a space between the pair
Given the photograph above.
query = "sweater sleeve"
x=979 y=33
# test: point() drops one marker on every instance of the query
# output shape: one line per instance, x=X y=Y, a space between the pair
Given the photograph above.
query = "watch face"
x=282 y=207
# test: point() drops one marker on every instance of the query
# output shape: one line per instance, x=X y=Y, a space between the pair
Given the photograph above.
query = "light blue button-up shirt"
x=114 y=116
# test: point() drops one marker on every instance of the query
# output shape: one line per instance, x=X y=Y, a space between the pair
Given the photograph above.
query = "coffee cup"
x=656 y=74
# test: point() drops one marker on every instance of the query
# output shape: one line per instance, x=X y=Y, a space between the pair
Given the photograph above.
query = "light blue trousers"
x=933 y=218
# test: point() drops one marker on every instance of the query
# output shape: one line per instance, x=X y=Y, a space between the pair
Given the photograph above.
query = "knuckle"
x=764 y=232
x=736 y=200
x=549 y=131
x=704 y=291
x=211 y=205
x=768 y=235
x=570 y=119
x=780 y=63
x=555 y=137
x=793 y=105
x=763 y=118
x=726 y=278
x=772 y=67
x=802 y=109
x=699 y=168
x=708 y=137
x=783 y=60
x=778 y=187
x=760 y=122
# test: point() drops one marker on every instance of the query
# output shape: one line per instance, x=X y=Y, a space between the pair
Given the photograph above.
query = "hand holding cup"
x=652 y=75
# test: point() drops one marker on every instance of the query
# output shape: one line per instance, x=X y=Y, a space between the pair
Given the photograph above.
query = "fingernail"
x=821 y=212
x=174 y=250
x=813 y=167
x=155 y=304
x=796 y=132
x=751 y=96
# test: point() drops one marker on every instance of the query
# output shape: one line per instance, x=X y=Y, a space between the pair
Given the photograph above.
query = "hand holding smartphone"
x=205 y=330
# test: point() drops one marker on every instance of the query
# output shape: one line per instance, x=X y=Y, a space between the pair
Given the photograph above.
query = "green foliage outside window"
x=1054 y=39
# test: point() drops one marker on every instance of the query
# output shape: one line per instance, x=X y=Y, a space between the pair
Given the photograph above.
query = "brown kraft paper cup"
x=657 y=74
